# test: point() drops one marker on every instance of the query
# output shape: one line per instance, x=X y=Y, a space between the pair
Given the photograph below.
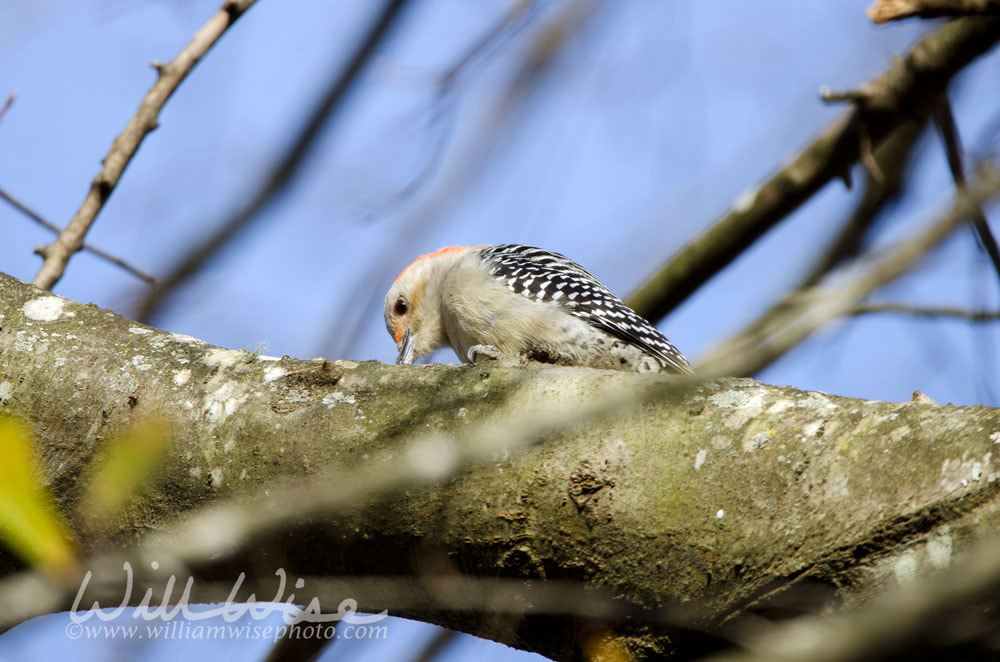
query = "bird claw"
x=477 y=353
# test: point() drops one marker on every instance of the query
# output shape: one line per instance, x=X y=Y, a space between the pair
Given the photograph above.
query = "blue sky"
x=650 y=127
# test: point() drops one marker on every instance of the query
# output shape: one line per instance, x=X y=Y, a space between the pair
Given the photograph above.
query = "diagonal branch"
x=945 y=120
x=891 y=159
x=908 y=88
x=284 y=171
x=799 y=314
x=70 y=240
x=7 y=104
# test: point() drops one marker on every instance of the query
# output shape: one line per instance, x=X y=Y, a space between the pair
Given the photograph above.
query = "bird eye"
x=400 y=306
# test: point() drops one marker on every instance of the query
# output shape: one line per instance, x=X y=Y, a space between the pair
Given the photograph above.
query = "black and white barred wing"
x=542 y=275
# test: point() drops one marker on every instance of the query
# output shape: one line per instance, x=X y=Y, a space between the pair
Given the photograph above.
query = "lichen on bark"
x=723 y=498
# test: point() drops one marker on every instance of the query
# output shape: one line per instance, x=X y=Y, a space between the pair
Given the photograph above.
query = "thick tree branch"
x=723 y=500
x=908 y=90
x=170 y=75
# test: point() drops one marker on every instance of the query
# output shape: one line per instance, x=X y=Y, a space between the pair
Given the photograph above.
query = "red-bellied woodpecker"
x=511 y=299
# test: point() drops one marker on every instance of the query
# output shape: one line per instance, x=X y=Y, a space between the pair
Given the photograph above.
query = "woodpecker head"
x=417 y=328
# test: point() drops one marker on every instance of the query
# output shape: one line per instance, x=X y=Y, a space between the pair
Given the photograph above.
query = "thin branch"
x=90 y=248
x=929 y=312
x=945 y=120
x=7 y=104
x=284 y=170
x=884 y=11
x=905 y=91
x=70 y=240
x=892 y=157
x=799 y=314
x=440 y=115
x=512 y=21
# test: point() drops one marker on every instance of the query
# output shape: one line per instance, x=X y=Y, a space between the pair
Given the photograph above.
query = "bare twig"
x=439 y=120
x=7 y=104
x=284 y=170
x=70 y=240
x=884 y=11
x=945 y=121
x=90 y=248
x=893 y=157
x=512 y=21
x=929 y=312
x=905 y=90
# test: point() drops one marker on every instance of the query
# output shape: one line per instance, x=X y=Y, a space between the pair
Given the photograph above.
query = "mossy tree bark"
x=694 y=511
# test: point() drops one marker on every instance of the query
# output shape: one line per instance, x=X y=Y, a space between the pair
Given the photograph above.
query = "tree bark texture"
x=734 y=499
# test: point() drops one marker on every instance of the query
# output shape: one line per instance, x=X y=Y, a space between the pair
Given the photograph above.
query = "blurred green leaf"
x=30 y=524
x=124 y=469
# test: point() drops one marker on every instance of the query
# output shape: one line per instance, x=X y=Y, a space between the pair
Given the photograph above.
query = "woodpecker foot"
x=548 y=356
x=477 y=353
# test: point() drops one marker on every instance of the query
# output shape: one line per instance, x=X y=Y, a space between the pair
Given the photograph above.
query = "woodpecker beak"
x=406 y=346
